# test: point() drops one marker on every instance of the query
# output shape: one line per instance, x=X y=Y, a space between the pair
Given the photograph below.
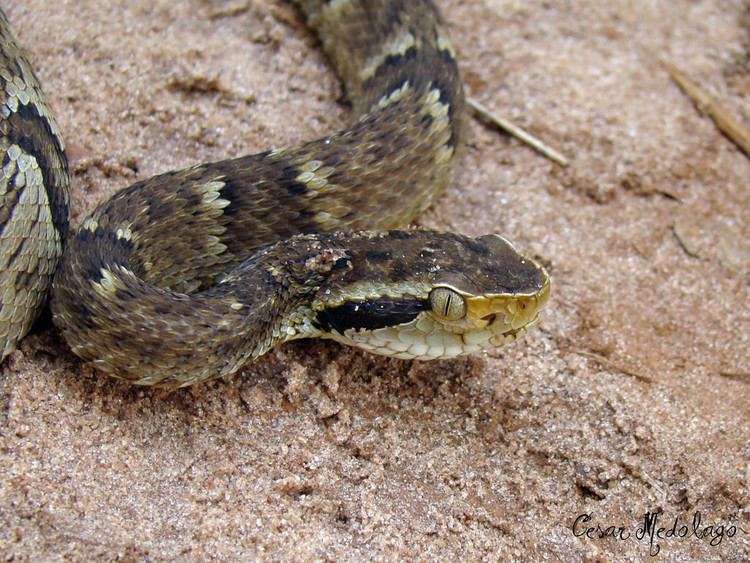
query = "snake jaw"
x=491 y=321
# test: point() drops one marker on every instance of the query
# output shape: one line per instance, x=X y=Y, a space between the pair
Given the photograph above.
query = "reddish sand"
x=318 y=452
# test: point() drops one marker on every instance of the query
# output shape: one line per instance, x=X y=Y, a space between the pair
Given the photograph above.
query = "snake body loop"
x=34 y=201
x=187 y=275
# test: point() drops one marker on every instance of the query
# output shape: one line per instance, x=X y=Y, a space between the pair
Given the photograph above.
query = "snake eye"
x=447 y=304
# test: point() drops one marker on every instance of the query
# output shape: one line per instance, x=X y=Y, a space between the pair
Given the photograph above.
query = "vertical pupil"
x=447 y=305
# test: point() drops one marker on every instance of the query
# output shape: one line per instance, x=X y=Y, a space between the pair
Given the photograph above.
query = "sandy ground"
x=632 y=397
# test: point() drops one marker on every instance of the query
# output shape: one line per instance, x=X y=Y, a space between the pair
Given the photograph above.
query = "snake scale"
x=187 y=275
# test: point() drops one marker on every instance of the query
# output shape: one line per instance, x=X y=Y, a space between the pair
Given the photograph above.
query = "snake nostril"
x=490 y=319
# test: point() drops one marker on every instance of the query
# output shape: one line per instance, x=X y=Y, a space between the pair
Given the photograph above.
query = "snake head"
x=427 y=295
x=492 y=301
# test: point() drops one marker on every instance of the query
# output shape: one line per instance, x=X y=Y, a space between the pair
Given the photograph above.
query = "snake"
x=188 y=275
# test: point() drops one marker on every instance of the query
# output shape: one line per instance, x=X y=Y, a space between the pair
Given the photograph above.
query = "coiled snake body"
x=187 y=275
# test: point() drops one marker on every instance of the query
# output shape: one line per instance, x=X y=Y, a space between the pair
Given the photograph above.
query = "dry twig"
x=505 y=125
x=612 y=365
x=706 y=104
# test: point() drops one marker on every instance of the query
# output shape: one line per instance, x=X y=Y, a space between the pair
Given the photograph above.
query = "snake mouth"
x=505 y=319
x=513 y=334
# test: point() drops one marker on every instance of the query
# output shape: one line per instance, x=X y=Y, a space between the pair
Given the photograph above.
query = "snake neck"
x=158 y=335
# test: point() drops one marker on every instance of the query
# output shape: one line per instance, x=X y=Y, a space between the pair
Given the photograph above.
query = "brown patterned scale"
x=275 y=251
